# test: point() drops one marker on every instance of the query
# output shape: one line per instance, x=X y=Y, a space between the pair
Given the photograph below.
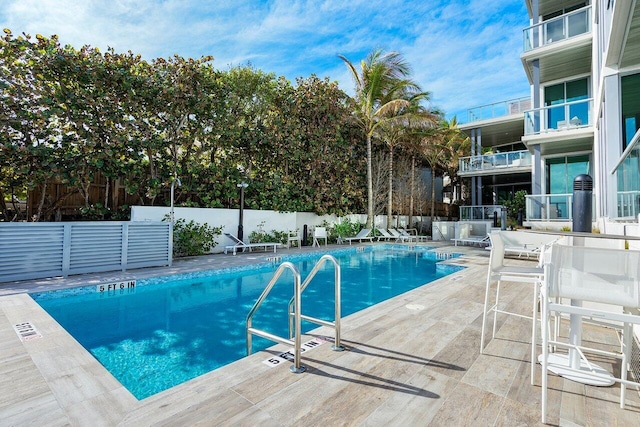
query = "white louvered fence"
x=33 y=250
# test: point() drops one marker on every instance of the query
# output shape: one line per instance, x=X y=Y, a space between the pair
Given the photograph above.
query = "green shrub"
x=191 y=238
x=516 y=203
x=261 y=236
x=345 y=228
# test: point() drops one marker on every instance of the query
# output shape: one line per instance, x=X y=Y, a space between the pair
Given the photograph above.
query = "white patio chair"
x=319 y=233
x=294 y=237
x=610 y=278
x=499 y=271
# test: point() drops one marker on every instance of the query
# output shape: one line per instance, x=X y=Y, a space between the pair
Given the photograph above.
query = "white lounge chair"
x=362 y=235
x=384 y=235
x=473 y=240
x=401 y=237
x=239 y=244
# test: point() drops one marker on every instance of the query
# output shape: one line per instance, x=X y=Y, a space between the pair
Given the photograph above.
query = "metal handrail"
x=336 y=320
x=296 y=368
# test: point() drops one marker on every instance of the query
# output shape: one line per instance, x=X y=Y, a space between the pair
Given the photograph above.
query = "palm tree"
x=381 y=74
x=410 y=120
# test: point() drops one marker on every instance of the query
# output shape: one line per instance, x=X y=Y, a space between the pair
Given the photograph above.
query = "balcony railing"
x=628 y=203
x=570 y=115
x=479 y=213
x=552 y=207
x=561 y=28
x=498 y=109
x=493 y=162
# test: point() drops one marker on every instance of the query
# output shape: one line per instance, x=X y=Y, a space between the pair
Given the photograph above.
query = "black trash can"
x=582 y=203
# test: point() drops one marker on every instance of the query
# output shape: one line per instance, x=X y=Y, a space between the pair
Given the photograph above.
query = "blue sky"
x=466 y=53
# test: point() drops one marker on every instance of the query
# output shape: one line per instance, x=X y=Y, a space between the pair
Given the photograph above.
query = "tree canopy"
x=69 y=115
x=84 y=119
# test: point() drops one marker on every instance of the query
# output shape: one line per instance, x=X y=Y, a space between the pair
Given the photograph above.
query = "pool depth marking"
x=117 y=288
x=26 y=331
x=288 y=356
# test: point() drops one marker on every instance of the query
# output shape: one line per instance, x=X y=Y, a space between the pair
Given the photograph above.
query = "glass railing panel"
x=551 y=207
x=494 y=161
x=498 y=109
x=557 y=29
x=628 y=203
x=570 y=115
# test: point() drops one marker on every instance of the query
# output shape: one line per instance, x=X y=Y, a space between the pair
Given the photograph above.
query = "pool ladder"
x=295 y=311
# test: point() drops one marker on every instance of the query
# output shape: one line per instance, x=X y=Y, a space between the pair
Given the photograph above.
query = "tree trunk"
x=411 y=187
x=369 y=184
x=390 y=194
x=41 y=204
x=106 y=194
x=433 y=193
x=3 y=207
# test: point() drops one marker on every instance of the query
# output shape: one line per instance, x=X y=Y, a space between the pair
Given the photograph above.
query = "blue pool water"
x=168 y=330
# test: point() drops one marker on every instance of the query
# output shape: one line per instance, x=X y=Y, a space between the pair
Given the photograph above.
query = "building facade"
x=582 y=60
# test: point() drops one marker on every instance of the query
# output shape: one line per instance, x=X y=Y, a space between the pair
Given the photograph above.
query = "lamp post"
x=241 y=186
x=173 y=183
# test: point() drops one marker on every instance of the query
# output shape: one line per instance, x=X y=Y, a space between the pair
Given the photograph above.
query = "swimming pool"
x=167 y=330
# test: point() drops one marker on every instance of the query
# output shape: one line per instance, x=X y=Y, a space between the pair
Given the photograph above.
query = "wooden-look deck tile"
x=467 y=405
x=411 y=360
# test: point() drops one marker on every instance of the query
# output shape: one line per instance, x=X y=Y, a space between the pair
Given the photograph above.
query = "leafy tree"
x=72 y=116
x=440 y=148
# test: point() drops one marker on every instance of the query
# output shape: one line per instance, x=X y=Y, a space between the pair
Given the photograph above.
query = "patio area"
x=411 y=360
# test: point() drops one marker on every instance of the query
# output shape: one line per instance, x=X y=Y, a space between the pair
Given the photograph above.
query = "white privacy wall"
x=270 y=220
x=228 y=219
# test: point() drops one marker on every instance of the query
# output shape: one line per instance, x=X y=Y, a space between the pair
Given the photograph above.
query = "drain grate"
x=444 y=255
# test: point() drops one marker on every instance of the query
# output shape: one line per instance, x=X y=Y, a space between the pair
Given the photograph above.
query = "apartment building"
x=582 y=60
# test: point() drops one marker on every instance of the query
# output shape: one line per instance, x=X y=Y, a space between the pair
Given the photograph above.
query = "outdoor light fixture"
x=241 y=186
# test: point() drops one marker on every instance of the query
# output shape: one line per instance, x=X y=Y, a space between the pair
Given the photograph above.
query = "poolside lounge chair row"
x=397 y=235
x=319 y=234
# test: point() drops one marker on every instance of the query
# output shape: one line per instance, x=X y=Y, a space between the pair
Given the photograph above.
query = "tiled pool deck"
x=410 y=361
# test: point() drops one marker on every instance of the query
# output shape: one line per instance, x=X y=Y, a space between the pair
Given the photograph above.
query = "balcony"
x=557 y=29
x=498 y=109
x=492 y=163
x=570 y=115
x=552 y=207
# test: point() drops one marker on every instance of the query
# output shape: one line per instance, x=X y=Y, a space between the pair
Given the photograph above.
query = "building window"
x=567 y=104
x=630 y=88
x=561 y=171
